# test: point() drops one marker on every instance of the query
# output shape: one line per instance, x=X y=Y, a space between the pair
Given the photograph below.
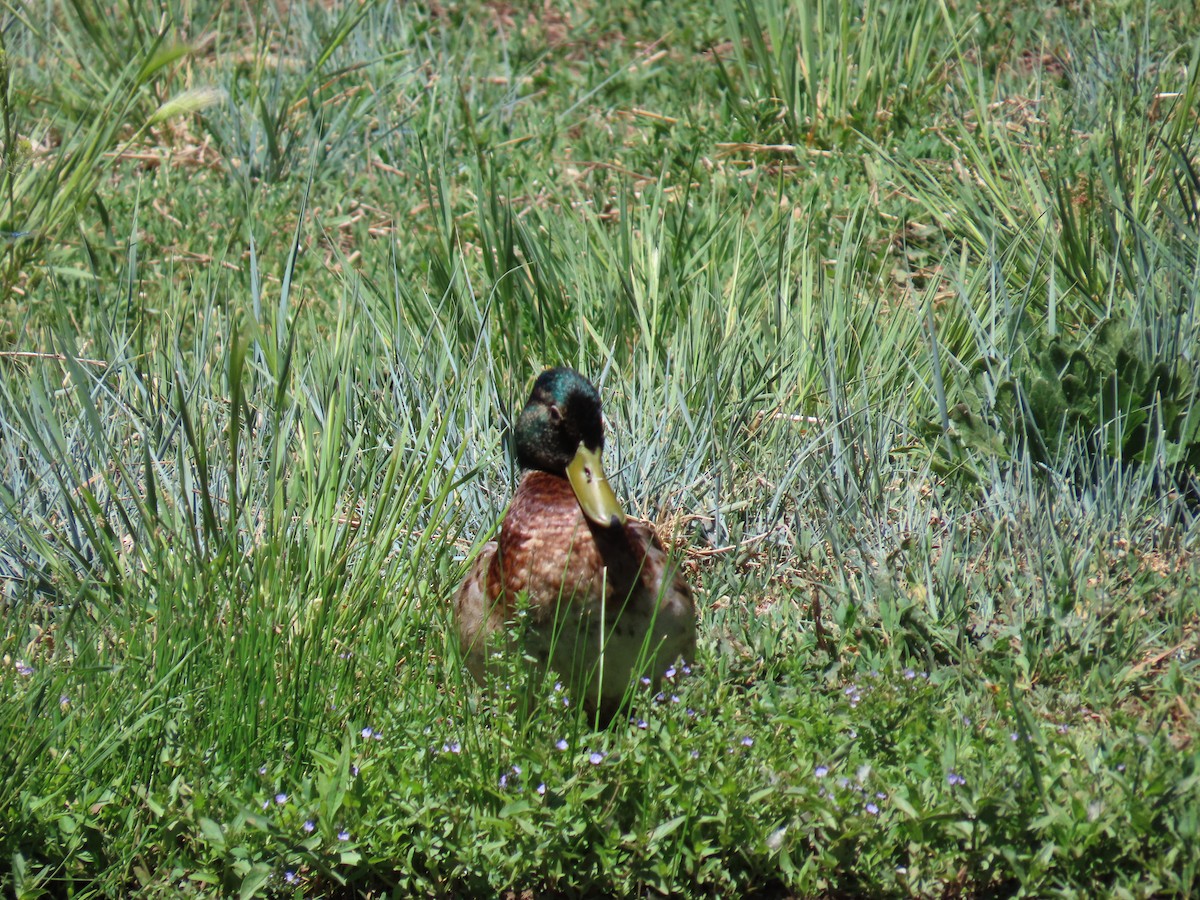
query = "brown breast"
x=548 y=549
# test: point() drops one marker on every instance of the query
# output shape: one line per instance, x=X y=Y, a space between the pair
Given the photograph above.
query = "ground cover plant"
x=893 y=307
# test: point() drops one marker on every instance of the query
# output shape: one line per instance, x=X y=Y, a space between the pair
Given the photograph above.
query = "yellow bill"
x=591 y=488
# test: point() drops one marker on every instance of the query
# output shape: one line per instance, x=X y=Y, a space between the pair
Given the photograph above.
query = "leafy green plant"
x=1115 y=392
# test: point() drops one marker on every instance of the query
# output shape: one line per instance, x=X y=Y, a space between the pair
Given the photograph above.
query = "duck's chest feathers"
x=549 y=550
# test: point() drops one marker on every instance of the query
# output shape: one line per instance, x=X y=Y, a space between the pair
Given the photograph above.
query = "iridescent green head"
x=560 y=431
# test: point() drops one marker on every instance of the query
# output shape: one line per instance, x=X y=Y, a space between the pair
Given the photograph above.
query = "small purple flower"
x=953 y=778
x=1014 y=737
x=1063 y=728
x=266 y=804
x=687 y=670
x=504 y=781
x=308 y=826
x=747 y=741
x=641 y=723
x=821 y=771
x=596 y=758
x=343 y=835
x=354 y=771
x=281 y=798
x=561 y=744
x=289 y=877
x=873 y=809
x=541 y=789
x=367 y=733
x=695 y=754
x=262 y=770
x=909 y=674
x=451 y=747
x=645 y=681
x=669 y=674
x=23 y=668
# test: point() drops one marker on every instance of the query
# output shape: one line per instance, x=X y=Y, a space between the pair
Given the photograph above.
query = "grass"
x=275 y=283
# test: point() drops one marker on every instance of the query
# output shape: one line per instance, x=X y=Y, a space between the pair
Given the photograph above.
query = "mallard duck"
x=603 y=602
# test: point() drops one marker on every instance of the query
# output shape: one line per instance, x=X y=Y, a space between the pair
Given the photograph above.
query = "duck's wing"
x=662 y=576
x=474 y=611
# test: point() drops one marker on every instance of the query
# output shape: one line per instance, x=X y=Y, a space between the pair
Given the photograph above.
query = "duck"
x=603 y=603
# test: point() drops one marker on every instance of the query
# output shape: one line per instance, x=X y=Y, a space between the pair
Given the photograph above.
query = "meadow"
x=895 y=309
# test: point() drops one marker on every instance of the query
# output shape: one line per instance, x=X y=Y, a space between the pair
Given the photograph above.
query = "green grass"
x=275 y=284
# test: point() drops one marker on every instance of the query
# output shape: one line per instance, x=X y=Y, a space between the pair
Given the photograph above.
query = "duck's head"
x=560 y=431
